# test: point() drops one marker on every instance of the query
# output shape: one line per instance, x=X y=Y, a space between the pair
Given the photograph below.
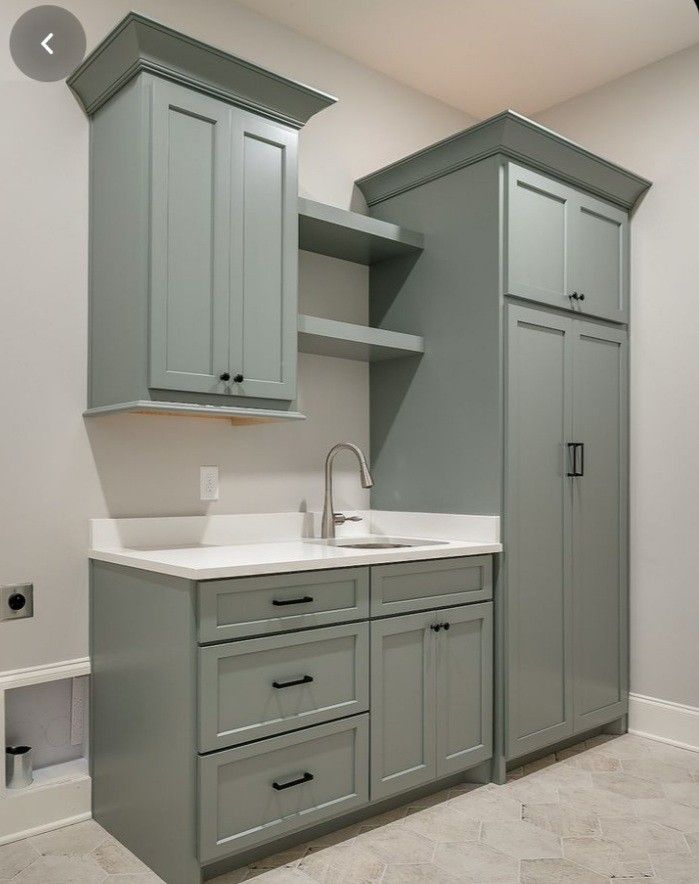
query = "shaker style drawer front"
x=264 y=790
x=248 y=606
x=415 y=586
x=265 y=686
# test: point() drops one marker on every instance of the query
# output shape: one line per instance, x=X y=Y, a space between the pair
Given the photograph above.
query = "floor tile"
x=562 y=819
x=398 y=845
x=15 y=857
x=477 y=863
x=683 y=793
x=521 y=840
x=668 y=813
x=659 y=771
x=443 y=825
x=600 y=761
x=598 y=801
x=62 y=870
x=72 y=840
x=676 y=867
x=642 y=836
x=425 y=873
x=597 y=854
x=557 y=871
x=487 y=803
x=625 y=784
x=117 y=860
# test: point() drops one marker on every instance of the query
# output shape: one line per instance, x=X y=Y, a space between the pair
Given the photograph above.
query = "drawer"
x=417 y=586
x=248 y=606
x=265 y=686
x=264 y=790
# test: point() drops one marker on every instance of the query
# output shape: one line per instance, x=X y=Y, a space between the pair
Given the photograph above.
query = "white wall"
x=649 y=122
x=57 y=469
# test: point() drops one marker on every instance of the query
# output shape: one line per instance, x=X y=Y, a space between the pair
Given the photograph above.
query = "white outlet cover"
x=208 y=483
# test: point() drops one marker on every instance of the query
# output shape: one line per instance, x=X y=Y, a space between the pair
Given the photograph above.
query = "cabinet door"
x=539 y=212
x=538 y=530
x=599 y=259
x=263 y=313
x=600 y=526
x=402 y=703
x=464 y=687
x=190 y=242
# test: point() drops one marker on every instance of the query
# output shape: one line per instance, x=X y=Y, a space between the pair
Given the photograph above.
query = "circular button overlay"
x=47 y=43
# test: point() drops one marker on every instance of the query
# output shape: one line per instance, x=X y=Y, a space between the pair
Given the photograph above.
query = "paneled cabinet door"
x=190 y=241
x=599 y=259
x=600 y=526
x=264 y=244
x=402 y=703
x=539 y=211
x=537 y=529
x=464 y=687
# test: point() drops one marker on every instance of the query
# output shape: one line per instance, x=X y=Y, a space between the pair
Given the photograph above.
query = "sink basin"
x=378 y=542
x=374 y=544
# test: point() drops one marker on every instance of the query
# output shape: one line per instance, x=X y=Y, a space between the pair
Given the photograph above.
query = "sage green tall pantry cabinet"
x=193 y=226
x=519 y=405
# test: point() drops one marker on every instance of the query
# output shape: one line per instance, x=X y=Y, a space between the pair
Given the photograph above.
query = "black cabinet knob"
x=575 y=296
x=238 y=379
x=224 y=376
x=446 y=625
x=435 y=627
x=582 y=297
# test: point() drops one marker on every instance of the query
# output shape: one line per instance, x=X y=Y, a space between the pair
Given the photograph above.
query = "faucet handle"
x=341 y=518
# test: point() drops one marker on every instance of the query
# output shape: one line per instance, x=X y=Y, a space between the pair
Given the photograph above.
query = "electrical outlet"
x=208 y=483
x=16 y=601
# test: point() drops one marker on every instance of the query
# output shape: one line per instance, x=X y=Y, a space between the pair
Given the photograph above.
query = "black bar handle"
x=573 y=452
x=306 y=778
x=306 y=679
x=304 y=600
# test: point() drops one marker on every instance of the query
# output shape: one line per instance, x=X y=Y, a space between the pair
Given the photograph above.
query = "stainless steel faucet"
x=330 y=517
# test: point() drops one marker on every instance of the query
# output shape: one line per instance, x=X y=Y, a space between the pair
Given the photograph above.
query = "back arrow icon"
x=45 y=44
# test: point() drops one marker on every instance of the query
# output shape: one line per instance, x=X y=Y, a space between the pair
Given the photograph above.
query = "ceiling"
x=485 y=55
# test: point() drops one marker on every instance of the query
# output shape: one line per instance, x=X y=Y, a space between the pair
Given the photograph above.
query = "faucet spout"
x=330 y=518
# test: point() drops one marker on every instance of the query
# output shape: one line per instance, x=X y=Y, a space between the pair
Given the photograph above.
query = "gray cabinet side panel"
x=599 y=520
x=450 y=295
x=143 y=714
x=119 y=245
x=538 y=530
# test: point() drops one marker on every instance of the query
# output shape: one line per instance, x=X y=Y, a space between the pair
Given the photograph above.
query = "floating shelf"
x=236 y=415
x=328 y=230
x=328 y=337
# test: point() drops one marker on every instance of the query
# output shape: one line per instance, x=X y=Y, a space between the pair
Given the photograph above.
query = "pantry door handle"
x=306 y=679
x=573 y=454
x=304 y=600
x=306 y=778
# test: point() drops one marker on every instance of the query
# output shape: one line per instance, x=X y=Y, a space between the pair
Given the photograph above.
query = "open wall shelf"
x=329 y=337
x=328 y=230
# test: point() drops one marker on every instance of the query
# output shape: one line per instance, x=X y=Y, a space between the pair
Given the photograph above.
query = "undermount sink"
x=379 y=543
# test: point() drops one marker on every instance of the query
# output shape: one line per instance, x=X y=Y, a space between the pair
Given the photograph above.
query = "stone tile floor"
x=614 y=809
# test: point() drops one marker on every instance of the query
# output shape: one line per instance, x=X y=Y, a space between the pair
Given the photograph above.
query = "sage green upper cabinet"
x=193 y=226
x=538 y=237
x=564 y=247
x=223 y=247
x=599 y=259
x=190 y=243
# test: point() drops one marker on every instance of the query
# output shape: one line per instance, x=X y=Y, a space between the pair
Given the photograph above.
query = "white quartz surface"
x=210 y=547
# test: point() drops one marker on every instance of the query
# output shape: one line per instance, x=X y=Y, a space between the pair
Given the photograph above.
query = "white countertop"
x=214 y=547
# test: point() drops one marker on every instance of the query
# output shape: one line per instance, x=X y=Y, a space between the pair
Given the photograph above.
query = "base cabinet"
x=431 y=677
x=565 y=528
x=264 y=790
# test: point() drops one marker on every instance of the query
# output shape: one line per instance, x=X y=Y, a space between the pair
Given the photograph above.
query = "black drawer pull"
x=306 y=778
x=306 y=679
x=304 y=600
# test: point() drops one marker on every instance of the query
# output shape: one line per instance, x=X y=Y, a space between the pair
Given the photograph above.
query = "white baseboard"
x=665 y=721
x=32 y=813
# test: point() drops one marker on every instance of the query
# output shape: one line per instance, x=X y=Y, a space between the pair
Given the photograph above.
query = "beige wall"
x=649 y=121
x=57 y=470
